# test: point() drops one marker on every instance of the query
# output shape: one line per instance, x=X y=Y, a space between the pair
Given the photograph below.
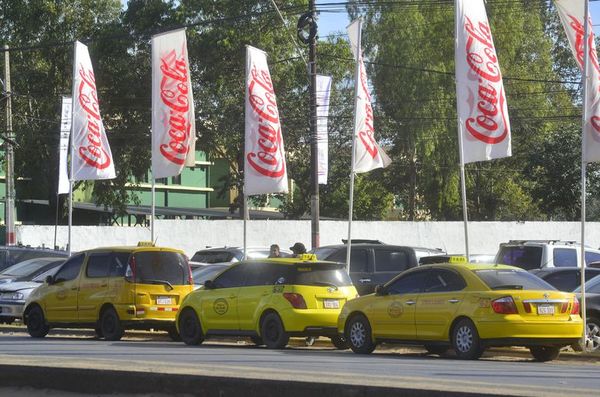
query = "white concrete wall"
x=191 y=235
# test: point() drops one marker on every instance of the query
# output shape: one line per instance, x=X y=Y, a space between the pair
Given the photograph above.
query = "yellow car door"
x=438 y=303
x=258 y=289
x=93 y=286
x=219 y=311
x=60 y=299
x=392 y=313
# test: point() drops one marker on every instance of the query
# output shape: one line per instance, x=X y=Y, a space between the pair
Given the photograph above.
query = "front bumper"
x=11 y=308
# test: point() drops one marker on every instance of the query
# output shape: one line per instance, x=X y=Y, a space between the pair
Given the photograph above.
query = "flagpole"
x=244 y=198
x=246 y=218
x=352 y=173
x=153 y=209
x=72 y=151
x=584 y=82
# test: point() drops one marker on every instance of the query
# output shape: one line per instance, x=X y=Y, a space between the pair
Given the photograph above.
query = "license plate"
x=545 y=309
x=164 y=300
x=331 y=304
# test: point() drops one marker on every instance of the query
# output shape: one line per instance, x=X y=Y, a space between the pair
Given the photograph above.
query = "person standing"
x=274 y=251
x=298 y=249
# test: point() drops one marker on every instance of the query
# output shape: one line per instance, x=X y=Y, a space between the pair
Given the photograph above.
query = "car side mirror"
x=380 y=290
x=49 y=280
x=209 y=284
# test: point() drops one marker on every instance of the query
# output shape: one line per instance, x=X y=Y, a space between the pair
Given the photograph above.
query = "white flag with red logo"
x=264 y=161
x=571 y=15
x=92 y=158
x=368 y=155
x=323 y=93
x=173 y=123
x=480 y=98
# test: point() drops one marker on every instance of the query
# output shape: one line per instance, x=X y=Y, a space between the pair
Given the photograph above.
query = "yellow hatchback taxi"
x=465 y=307
x=269 y=300
x=112 y=289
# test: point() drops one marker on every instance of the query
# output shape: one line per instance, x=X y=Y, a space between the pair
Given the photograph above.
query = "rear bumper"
x=316 y=331
x=146 y=313
x=568 y=330
x=528 y=342
x=310 y=322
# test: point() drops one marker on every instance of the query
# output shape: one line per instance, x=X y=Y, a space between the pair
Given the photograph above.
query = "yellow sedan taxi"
x=467 y=308
x=112 y=289
x=269 y=300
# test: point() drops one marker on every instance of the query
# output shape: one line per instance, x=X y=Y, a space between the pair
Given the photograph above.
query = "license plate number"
x=164 y=300
x=331 y=304
x=545 y=309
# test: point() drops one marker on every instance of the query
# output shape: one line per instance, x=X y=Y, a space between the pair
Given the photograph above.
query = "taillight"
x=575 y=308
x=504 y=305
x=296 y=300
x=527 y=307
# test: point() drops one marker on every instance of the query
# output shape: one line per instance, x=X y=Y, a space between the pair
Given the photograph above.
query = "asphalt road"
x=514 y=374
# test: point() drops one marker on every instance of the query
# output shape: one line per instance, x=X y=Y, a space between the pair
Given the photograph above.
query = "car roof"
x=307 y=259
x=133 y=248
x=383 y=246
x=470 y=266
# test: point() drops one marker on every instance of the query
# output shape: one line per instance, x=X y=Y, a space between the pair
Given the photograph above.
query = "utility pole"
x=9 y=204
x=307 y=33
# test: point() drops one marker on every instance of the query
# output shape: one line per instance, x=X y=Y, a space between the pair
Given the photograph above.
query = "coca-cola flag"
x=571 y=15
x=368 y=155
x=264 y=161
x=173 y=123
x=480 y=97
x=323 y=91
x=92 y=158
x=66 y=118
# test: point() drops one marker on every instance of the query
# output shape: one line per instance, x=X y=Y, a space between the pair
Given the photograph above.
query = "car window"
x=443 y=280
x=257 y=254
x=408 y=283
x=212 y=256
x=70 y=269
x=391 y=261
x=118 y=263
x=359 y=258
x=41 y=277
x=591 y=257
x=319 y=274
x=564 y=257
x=98 y=265
x=512 y=279
x=563 y=281
x=206 y=273
x=155 y=267
x=524 y=257
x=325 y=252
x=264 y=273
x=232 y=277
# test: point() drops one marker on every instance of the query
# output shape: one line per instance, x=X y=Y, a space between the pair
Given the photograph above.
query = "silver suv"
x=232 y=254
x=538 y=254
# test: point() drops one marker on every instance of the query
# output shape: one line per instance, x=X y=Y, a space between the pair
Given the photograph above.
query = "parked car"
x=28 y=269
x=592 y=309
x=233 y=254
x=564 y=279
x=537 y=254
x=112 y=289
x=373 y=263
x=467 y=307
x=268 y=300
x=11 y=255
x=14 y=294
x=208 y=272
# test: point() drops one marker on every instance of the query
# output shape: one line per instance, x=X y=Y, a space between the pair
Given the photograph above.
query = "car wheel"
x=358 y=334
x=545 y=353
x=36 y=323
x=173 y=334
x=340 y=342
x=436 y=349
x=257 y=340
x=190 y=329
x=465 y=340
x=110 y=325
x=98 y=332
x=272 y=332
x=593 y=338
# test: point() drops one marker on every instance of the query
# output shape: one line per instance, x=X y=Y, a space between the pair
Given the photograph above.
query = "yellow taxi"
x=466 y=307
x=112 y=289
x=269 y=300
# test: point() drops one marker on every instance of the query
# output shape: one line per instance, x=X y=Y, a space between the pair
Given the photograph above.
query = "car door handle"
x=265 y=293
x=453 y=300
x=232 y=296
x=411 y=302
x=104 y=285
x=74 y=288
x=364 y=280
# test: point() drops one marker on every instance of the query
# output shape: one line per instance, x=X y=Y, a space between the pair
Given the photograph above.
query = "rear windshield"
x=512 y=279
x=212 y=256
x=322 y=275
x=520 y=256
x=25 y=268
x=158 y=267
x=324 y=253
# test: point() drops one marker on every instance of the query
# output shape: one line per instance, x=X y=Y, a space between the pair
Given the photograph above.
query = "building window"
x=163 y=181
x=176 y=180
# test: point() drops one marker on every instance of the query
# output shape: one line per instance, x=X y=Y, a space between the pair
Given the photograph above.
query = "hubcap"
x=358 y=334
x=272 y=330
x=593 y=336
x=464 y=339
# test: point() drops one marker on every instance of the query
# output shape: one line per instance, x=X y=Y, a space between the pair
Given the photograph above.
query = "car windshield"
x=212 y=256
x=320 y=274
x=26 y=268
x=161 y=267
x=201 y=275
x=40 y=278
x=525 y=257
x=512 y=279
x=592 y=286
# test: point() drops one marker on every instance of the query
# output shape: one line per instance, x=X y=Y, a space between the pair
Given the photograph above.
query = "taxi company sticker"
x=395 y=309
x=278 y=289
x=484 y=302
x=221 y=306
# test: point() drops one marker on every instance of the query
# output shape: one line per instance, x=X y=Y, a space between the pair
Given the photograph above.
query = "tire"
x=190 y=329
x=340 y=342
x=436 y=349
x=465 y=340
x=173 y=334
x=36 y=323
x=98 y=332
x=359 y=336
x=110 y=325
x=257 y=340
x=545 y=353
x=593 y=328
x=272 y=332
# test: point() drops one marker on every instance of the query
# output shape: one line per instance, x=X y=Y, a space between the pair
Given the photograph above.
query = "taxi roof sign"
x=457 y=259
x=145 y=244
x=308 y=257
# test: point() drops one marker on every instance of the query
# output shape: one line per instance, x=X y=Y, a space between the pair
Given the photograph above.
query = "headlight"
x=13 y=296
